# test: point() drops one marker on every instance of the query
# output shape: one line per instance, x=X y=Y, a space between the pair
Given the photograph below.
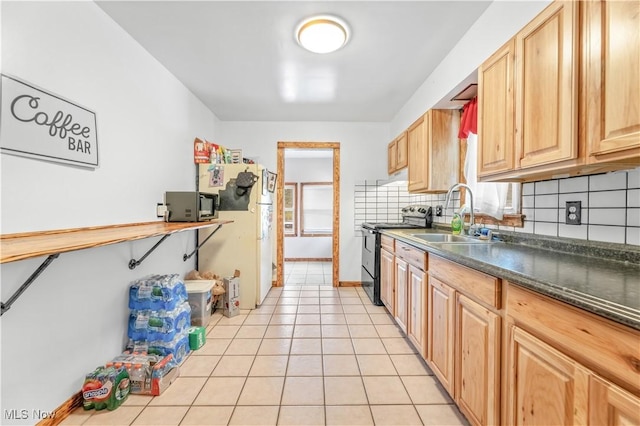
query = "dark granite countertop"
x=603 y=279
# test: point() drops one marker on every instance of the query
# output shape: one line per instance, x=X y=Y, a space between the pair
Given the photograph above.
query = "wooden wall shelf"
x=14 y=247
x=21 y=246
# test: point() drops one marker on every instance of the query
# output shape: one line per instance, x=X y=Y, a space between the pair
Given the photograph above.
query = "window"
x=316 y=209
x=492 y=202
x=495 y=199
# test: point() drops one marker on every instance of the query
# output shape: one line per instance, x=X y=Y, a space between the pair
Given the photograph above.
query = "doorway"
x=284 y=217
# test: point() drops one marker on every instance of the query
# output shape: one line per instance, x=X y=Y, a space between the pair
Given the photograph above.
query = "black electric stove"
x=413 y=216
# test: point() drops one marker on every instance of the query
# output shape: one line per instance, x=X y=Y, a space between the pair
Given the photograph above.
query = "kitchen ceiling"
x=241 y=59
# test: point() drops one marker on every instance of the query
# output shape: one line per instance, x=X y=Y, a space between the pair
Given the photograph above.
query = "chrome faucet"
x=448 y=199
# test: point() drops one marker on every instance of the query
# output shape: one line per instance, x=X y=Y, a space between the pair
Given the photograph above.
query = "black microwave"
x=190 y=206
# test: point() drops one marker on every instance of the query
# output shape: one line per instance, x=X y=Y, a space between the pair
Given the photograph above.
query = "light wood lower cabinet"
x=568 y=367
x=546 y=387
x=509 y=356
x=411 y=283
x=477 y=362
x=402 y=292
x=549 y=388
x=387 y=281
x=610 y=405
x=416 y=330
x=440 y=324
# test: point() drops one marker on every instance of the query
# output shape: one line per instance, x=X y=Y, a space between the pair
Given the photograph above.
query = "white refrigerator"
x=246 y=243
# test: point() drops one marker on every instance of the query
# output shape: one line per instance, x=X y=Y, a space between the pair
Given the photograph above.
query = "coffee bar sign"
x=39 y=124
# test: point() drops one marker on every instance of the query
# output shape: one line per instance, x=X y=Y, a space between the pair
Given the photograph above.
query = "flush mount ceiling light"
x=322 y=34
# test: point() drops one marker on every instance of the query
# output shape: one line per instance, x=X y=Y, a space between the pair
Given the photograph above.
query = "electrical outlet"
x=161 y=210
x=573 y=213
x=439 y=210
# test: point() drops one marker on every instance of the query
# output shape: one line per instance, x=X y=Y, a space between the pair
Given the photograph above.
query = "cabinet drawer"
x=412 y=255
x=608 y=348
x=474 y=284
x=388 y=243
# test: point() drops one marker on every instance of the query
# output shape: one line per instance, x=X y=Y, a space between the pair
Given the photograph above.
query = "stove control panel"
x=417 y=210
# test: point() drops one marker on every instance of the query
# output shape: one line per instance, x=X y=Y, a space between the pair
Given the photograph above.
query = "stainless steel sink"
x=448 y=239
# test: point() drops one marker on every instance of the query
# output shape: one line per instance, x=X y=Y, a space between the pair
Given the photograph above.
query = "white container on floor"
x=199 y=292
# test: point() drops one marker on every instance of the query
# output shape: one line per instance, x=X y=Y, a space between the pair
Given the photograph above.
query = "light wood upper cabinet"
x=496 y=113
x=392 y=157
x=546 y=86
x=433 y=151
x=397 y=156
x=477 y=362
x=612 y=80
x=402 y=151
x=576 y=94
x=546 y=387
x=418 y=154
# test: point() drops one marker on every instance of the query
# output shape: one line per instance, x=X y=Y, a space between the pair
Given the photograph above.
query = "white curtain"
x=488 y=197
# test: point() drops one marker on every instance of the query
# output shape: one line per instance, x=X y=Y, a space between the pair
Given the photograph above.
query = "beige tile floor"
x=310 y=355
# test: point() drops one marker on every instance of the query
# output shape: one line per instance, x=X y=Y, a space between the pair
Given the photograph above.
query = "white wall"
x=501 y=21
x=74 y=316
x=307 y=170
x=363 y=155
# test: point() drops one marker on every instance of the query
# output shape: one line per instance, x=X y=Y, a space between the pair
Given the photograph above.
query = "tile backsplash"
x=610 y=206
x=377 y=202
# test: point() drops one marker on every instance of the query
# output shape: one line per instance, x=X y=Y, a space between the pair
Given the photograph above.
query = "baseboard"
x=350 y=284
x=307 y=259
x=63 y=411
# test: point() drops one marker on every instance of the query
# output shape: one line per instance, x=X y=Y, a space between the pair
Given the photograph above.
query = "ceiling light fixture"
x=322 y=34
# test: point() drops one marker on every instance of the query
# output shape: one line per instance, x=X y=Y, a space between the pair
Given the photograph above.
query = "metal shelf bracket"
x=133 y=263
x=188 y=256
x=4 y=307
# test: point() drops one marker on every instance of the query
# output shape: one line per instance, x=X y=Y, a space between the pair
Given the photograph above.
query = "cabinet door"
x=402 y=157
x=496 y=112
x=387 y=281
x=612 y=78
x=546 y=86
x=444 y=149
x=418 y=155
x=477 y=368
x=546 y=387
x=392 y=157
x=417 y=292
x=611 y=406
x=440 y=336
x=402 y=293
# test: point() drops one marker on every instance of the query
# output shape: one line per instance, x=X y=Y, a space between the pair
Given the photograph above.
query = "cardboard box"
x=231 y=297
x=154 y=373
x=201 y=151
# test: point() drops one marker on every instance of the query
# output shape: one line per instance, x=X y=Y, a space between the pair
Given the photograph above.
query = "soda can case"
x=231 y=297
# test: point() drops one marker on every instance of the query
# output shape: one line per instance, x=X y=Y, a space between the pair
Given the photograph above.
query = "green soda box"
x=197 y=337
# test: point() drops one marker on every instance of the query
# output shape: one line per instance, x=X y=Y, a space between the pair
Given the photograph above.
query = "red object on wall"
x=469 y=121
